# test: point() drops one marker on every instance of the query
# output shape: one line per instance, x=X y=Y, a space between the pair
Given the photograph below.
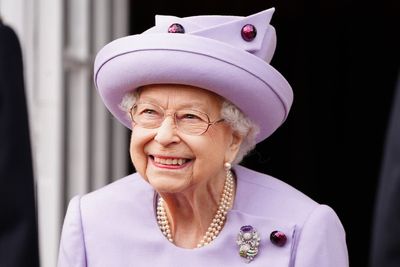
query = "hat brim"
x=250 y=83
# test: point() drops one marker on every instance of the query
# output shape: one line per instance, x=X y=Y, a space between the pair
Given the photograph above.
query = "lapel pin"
x=248 y=241
x=278 y=238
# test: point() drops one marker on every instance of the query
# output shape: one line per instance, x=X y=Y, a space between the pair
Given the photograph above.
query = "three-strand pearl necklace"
x=216 y=224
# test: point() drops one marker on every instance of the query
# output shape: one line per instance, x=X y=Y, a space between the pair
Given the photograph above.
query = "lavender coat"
x=116 y=226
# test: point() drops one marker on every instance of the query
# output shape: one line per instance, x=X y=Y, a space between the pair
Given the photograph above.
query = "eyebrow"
x=191 y=105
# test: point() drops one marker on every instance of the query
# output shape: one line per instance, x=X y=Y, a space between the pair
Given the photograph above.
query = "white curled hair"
x=231 y=114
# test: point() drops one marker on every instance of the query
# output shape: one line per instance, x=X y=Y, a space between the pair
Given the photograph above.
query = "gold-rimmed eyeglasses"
x=187 y=121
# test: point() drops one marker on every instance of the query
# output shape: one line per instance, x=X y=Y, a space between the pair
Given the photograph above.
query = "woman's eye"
x=190 y=117
x=149 y=111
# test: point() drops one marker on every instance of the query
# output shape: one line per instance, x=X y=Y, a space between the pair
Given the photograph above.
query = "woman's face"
x=172 y=161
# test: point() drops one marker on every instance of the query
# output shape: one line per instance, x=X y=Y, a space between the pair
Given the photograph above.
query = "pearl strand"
x=163 y=220
x=217 y=222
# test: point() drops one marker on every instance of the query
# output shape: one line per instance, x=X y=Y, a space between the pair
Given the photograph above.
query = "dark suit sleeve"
x=18 y=230
x=386 y=234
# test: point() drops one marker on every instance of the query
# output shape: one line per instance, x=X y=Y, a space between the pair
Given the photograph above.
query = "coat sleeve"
x=72 y=251
x=322 y=241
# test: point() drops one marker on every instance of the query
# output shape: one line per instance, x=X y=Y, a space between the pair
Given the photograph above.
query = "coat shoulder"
x=266 y=196
x=119 y=193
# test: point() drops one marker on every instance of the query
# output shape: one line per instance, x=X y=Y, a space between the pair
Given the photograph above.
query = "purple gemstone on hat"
x=249 y=32
x=176 y=28
x=246 y=228
x=278 y=238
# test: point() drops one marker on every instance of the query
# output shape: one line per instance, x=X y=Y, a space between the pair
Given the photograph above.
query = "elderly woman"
x=198 y=94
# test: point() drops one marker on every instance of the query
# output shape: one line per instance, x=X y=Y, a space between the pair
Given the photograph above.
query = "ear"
x=233 y=147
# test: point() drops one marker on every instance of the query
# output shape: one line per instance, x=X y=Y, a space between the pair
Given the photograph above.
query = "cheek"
x=138 y=156
x=220 y=140
x=211 y=153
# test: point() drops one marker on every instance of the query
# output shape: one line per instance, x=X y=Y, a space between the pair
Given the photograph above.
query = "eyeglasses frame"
x=209 y=123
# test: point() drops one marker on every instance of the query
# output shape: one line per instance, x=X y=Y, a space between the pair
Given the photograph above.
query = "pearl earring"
x=227 y=166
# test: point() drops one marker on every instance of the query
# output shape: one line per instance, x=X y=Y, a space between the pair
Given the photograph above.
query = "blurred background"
x=341 y=58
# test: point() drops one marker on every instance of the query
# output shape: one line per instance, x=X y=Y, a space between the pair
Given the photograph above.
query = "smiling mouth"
x=169 y=161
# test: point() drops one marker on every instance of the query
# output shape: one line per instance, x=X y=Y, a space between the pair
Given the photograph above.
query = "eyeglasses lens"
x=187 y=121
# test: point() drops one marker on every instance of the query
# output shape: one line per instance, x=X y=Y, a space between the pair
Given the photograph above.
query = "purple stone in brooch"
x=248 y=241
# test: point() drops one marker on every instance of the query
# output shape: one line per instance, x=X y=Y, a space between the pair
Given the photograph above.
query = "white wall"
x=77 y=146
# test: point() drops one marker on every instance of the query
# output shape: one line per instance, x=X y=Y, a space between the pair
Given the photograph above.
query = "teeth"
x=169 y=161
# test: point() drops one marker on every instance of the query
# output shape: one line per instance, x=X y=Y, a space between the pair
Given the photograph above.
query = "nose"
x=167 y=132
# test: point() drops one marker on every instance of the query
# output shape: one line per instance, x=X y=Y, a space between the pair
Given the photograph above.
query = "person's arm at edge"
x=72 y=245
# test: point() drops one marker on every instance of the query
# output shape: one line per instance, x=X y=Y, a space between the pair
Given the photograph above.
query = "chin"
x=165 y=184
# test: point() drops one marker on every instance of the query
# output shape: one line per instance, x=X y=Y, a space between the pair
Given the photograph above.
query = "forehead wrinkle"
x=172 y=101
x=178 y=98
x=192 y=103
x=155 y=100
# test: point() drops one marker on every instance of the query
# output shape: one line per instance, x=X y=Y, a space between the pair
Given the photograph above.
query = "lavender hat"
x=227 y=55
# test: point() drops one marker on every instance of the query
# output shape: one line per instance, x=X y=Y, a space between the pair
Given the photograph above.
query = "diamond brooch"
x=248 y=241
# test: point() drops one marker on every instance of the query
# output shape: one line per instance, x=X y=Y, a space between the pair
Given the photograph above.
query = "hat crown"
x=227 y=29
